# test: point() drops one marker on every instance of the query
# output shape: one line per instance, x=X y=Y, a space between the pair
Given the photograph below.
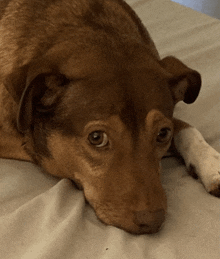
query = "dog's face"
x=106 y=123
x=101 y=115
x=108 y=134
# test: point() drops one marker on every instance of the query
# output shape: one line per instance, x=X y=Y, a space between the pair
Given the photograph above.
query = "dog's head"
x=106 y=124
x=102 y=116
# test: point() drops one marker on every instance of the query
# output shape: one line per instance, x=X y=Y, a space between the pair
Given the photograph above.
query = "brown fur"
x=70 y=68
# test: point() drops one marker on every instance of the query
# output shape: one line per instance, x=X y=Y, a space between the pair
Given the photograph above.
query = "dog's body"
x=85 y=95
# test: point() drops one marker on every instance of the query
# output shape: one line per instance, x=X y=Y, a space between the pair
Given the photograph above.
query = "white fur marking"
x=198 y=153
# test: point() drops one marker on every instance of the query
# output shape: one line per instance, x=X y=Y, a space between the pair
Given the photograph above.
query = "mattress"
x=43 y=217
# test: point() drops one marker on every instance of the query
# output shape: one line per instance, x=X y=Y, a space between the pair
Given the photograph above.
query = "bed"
x=42 y=217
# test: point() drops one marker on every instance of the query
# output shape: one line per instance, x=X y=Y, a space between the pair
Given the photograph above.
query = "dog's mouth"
x=137 y=223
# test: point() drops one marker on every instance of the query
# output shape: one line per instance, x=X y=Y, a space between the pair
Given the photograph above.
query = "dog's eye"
x=98 y=139
x=164 y=135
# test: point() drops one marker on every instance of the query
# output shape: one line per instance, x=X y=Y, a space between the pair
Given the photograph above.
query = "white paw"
x=215 y=186
x=200 y=158
x=208 y=170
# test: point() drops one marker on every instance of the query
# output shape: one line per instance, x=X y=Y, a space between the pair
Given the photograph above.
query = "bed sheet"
x=42 y=217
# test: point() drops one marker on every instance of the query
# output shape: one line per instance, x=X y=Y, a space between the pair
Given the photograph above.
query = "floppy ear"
x=184 y=82
x=35 y=88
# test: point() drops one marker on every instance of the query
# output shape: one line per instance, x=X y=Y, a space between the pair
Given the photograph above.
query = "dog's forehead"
x=105 y=89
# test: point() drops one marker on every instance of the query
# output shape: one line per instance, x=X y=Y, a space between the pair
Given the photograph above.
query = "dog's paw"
x=202 y=160
x=207 y=169
x=215 y=187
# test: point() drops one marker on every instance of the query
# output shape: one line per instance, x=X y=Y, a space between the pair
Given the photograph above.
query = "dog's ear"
x=36 y=89
x=184 y=82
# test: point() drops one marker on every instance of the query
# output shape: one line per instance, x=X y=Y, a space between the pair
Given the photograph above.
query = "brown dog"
x=85 y=95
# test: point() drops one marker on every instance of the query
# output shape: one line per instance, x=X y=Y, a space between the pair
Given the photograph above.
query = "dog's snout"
x=150 y=221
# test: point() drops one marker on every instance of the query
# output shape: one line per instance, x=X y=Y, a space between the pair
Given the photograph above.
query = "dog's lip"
x=135 y=229
x=132 y=227
x=142 y=230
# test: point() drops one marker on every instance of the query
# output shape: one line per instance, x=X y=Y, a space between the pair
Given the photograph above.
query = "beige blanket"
x=42 y=217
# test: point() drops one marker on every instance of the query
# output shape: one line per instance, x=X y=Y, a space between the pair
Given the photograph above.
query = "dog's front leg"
x=200 y=158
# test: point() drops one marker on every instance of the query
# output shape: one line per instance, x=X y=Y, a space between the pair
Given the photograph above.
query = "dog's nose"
x=150 y=222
